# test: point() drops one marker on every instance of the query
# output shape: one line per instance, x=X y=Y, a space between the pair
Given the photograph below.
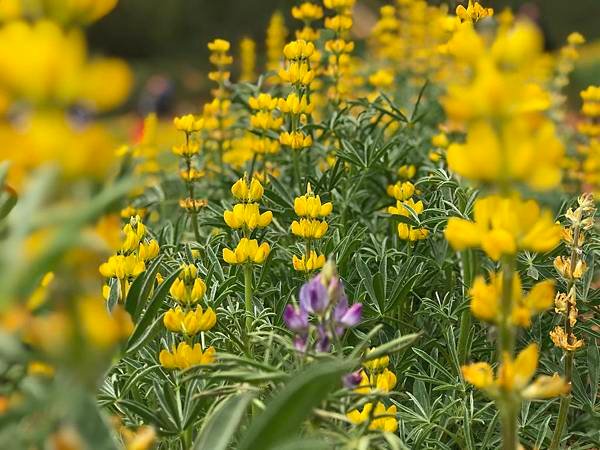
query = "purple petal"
x=301 y=343
x=340 y=309
x=352 y=380
x=323 y=342
x=295 y=318
x=313 y=296
x=352 y=316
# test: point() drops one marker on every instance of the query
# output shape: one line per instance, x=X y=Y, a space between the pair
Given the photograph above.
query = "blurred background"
x=165 y=41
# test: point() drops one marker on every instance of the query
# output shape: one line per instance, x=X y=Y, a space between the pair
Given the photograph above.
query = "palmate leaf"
x=286 y=412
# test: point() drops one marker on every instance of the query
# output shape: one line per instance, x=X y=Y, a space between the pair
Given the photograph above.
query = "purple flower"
x=346 y=317
x=323 y=342
x=296 y=319
x=313 y=296
x=352 y=380
x=301 y=343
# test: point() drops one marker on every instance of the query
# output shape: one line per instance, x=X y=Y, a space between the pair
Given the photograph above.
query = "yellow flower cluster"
x=406 y=206
x=502 y=226
x=131 y=258
x=263 y=119
x=571 y=269
x=514 y=377
x=474 y=12
x=308 y=13
x=310 y=227
x=487 y=297
x=185 y=356
x=376 y=377
x=188 y=319
x=247 y=217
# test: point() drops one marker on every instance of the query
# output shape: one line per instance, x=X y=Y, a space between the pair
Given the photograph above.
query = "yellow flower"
x=247 y=59
x=503 y=225
x=385 y=381
x=562 y=340
x=245 y=192
x=310 y=263
x=122 y=267
x=296 y=140
x=188 y=288
x=407 y=171
x=149 y=250
x=187 y=123
x=186 y=150
x=309 y=205
x=383 y=419
x=514 y=376
x=247 y=215
x=401 y=207
x=562 y=264
x=402 y=190
x=486 y=299
x=263 y=102
x=339 y=23
x=519 y=153
x=185 y=356
x=339 y=5
x=440 y=140
x=339 y=46
x=409 y=233
x=299 y=49
x=473 y=12
x=247 y=250
x=575 y=38
x=307 y=12
x=297 y=72
x=295 y=105
x=100 y=327
x=190 y=322
x=264 y=120
x=377 y=364
x=309 y=228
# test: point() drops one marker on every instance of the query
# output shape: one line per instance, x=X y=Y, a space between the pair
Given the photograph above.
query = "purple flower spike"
x=352 y=380
x=313 y=296
x=296 y=319
x=345 y=316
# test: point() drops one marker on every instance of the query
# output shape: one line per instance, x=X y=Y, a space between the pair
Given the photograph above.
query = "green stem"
x=248 y=298
x=196 y=226
x=565 y=402
x=508 y=404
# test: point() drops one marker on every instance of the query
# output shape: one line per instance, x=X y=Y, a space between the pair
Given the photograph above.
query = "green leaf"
x=219 y=428
x=393 y=346
x=143 y=328
x=286 y=412
x=114 y=293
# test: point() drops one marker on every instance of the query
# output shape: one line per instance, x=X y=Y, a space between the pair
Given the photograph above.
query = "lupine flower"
x=296 y=319
x=503 y=225
x=383 y=419
x=309 y=228
x=191 y=322
x=473 y=12
x=514 y=376
x=247 y=192
x=314 y=297
x=247 y=250
x=184 y=356
x=188 y=288
x=308 y=263
x=247 y=215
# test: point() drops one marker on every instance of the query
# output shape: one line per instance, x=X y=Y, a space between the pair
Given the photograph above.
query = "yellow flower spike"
x=473 y=12
x=187 y=288
x=309 y=205
x=310 y=263
x=503 y=225
x=247 y=59
x=402 y=190
x=339 y=23
x=187 y=123
x=562 y=264
x=219 y=45
x=297 y=72
x=245 y=192
x=562 y=340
